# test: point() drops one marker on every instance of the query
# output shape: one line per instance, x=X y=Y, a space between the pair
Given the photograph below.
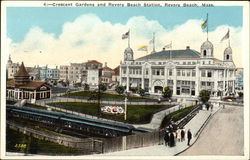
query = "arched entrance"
x=158 y=86
x=158 y=89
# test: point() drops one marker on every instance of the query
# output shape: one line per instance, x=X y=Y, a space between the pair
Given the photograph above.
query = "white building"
x=185 y=71
x=12 y=68
x=93 y=77
x=78 y=72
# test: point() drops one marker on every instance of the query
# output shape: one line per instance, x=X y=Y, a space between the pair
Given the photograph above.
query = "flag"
x=126 y=35
x=204 y=24
x=225 y=37
x=168 y=45
x=151 y=41
x=143 y=48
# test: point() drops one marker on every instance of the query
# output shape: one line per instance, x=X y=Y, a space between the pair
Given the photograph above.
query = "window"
x=189 y=63
x=178 y=82
x=203 y=83
x=204 y=53
x=227 y=57
x=193 y=73
x=183 y=72
x=146 y=71
x=178 y=91
x=193 y=62
x=153 y=70
x=193 y=83
x=178 y=72
x=170 y=72
x=124 y=71
x=209 y=74
x=162 y=72
x=157 y=72
x=203 y=73
x=208 y=83
x=184 y=63
x=93 y=78
x=188 y=73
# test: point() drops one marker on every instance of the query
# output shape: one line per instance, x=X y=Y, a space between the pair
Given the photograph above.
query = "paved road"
x=223 y=135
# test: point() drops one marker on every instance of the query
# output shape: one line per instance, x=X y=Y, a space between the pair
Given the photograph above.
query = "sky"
x=60 y=36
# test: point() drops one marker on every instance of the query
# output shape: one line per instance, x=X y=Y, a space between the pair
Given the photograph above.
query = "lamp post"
x=125 y=108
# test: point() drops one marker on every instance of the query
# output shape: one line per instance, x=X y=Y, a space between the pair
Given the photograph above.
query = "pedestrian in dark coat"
x=172 y=142
x=182 y=135
x=166 y=139
x=189 y=136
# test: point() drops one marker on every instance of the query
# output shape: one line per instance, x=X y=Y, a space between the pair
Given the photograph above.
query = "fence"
x=90 y=145
x=133 y=141
x=86 y=145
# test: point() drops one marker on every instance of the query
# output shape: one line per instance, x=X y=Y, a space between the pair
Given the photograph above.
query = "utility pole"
x=125 y=108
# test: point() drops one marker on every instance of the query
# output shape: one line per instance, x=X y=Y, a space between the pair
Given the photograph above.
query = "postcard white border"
x=4 y=57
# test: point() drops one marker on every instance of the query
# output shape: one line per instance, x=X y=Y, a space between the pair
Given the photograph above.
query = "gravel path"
x=223 y=135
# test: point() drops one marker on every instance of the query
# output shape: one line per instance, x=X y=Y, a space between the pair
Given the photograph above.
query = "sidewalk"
x=161 y=150
x=158 y=118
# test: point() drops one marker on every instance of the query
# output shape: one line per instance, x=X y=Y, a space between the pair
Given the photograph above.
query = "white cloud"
x=89 y=37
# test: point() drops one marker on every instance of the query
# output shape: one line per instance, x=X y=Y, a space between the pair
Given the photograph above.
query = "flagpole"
x=154 y=42
x=207 y=26
x=129 y=38
x=228 y=38
x=171 y=51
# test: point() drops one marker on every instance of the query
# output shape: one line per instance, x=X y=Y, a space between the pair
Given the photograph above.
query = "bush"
x=167 y=93
x=120 y=89
x=175 y=116
x=141 y=92
x=102 y=87
x=204 y=96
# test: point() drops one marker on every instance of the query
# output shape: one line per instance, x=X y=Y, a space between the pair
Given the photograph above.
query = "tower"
x=207 y=50
x=22 y=76
x=128 y=54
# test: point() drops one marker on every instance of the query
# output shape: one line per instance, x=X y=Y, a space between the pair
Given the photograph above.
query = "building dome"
x=128 y=54
x=228 y=50
x=207 y=49
x=228 y=54
x=128 y=50
x=207 y=44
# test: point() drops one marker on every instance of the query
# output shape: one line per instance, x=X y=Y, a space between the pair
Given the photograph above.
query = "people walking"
x=189 y=136
x=182 y=135
x=166 y=138
x=178 y=134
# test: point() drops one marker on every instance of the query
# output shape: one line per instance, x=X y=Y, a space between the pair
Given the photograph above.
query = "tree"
x=102 y=87
x=167 y=93
x=141 y=91
x=120 y=89
x=204 y=96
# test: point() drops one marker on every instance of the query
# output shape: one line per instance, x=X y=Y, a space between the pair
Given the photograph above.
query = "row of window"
x=187 y=73
x=163 y=63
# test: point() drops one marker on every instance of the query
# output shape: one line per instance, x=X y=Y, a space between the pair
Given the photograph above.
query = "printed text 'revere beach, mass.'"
x=128 y=4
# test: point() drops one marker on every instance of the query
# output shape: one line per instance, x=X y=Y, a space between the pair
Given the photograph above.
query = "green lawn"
x=103 y=95
x=177 y=115
x=18 y=142
x=136 y=113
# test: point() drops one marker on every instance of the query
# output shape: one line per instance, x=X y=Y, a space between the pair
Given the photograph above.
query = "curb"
x=199 y=132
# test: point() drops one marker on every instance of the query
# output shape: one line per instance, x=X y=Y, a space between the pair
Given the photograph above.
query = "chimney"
x=188 y=47
x=105 y=64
